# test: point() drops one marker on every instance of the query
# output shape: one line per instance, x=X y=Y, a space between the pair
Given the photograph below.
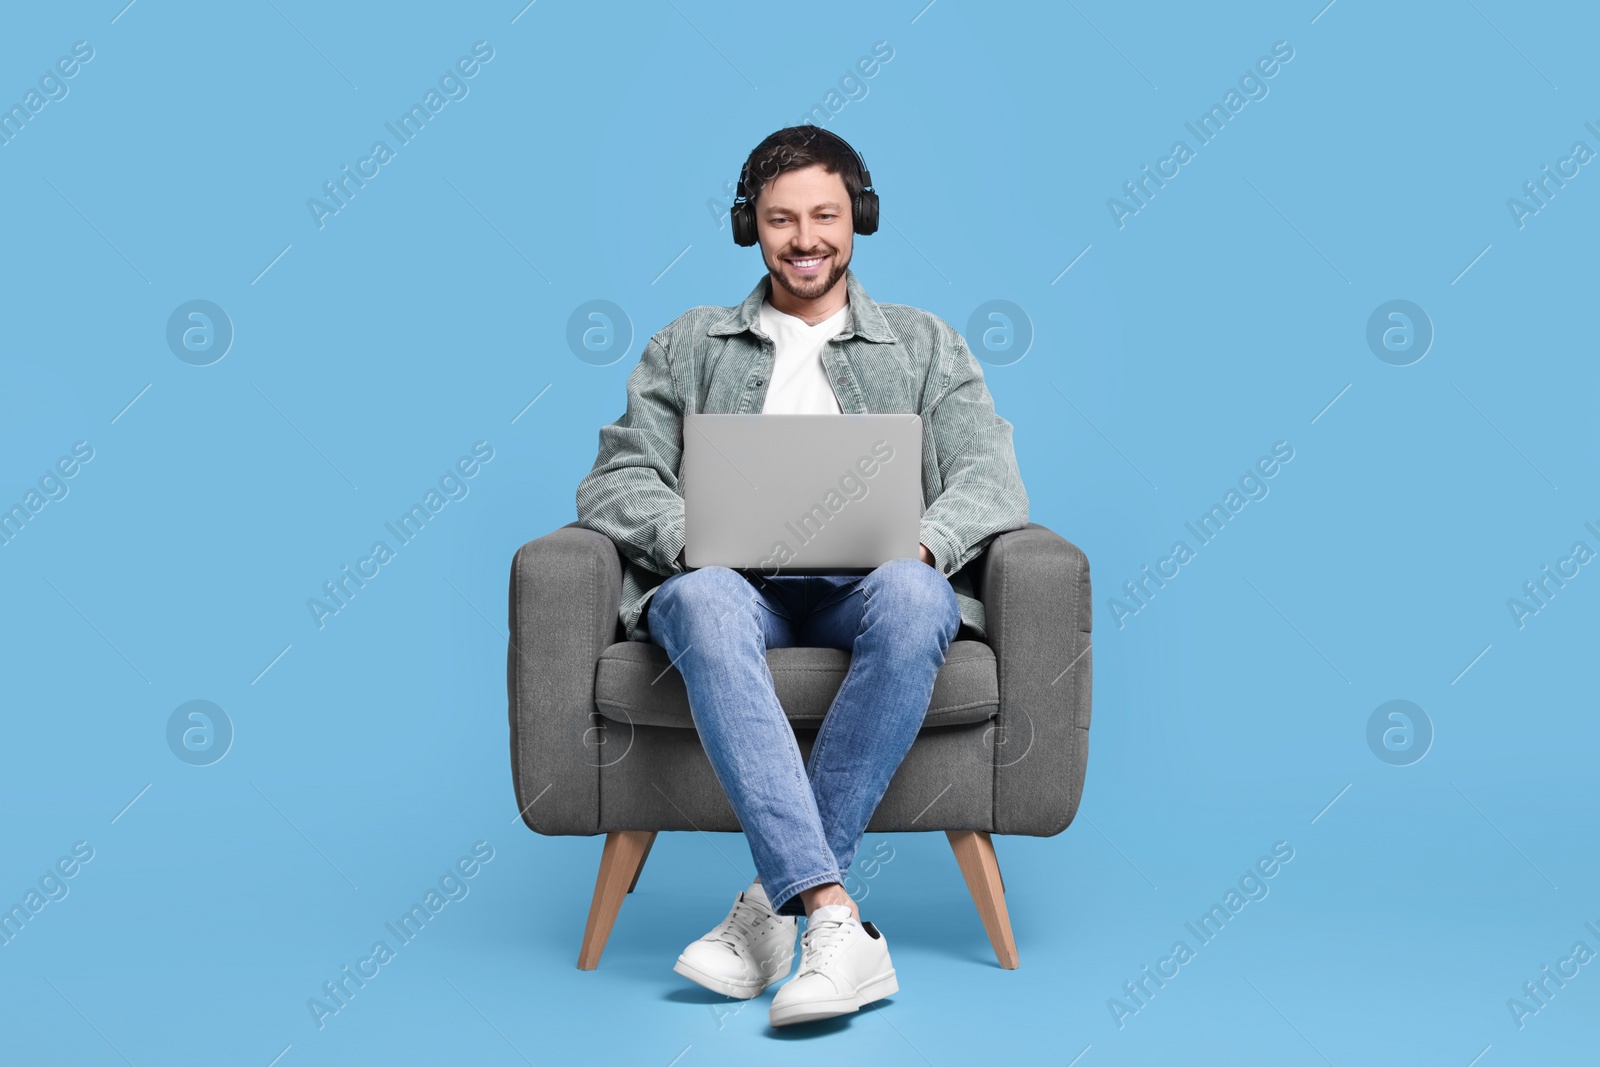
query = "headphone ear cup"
x=866 y=211
x=744 y=225
x=742 y=213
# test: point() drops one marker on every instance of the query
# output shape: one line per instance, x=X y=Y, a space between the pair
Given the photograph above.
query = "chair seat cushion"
x=635 y=683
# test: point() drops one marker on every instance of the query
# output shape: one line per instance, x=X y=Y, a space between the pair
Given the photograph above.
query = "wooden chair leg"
x=648 y=845
x=619 y=866
x=975 y=853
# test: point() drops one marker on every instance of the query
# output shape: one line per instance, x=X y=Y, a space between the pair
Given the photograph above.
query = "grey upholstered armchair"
x=602 y=740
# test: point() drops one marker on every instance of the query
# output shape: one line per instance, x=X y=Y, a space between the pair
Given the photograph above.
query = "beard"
x=810 y=288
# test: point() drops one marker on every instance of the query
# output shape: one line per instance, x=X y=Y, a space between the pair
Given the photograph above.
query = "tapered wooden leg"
x=975 y=853
x=648 y=845
x=619 y=866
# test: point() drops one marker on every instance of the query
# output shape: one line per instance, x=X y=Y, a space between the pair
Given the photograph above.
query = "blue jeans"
x=804 y=822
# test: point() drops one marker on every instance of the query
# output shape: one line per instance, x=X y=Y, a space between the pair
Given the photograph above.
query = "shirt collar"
x=866 y=320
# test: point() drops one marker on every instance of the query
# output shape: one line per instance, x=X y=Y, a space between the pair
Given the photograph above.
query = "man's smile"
x=807 y=265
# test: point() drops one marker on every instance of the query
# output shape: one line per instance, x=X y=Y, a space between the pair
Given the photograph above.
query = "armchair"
x=602 y=740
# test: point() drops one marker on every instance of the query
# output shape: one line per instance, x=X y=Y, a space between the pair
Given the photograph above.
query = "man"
x=807 y=340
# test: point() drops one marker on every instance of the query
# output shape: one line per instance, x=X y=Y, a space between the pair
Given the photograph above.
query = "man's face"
x=805 y=227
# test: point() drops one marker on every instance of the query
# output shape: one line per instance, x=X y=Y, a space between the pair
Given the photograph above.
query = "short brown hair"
x=795 y=147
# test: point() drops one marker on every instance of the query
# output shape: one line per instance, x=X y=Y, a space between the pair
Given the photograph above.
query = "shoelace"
x=819 y=943
x=740 y=927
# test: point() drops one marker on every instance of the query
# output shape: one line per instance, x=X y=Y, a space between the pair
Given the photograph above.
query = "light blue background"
x=426 y=315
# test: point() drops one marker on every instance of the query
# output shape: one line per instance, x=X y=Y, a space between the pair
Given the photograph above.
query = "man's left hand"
x=927 y=557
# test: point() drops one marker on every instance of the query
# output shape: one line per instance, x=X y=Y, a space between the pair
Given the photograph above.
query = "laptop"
x=801 y=494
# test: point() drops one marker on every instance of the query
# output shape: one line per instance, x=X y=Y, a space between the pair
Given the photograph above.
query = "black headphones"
x=864 y=206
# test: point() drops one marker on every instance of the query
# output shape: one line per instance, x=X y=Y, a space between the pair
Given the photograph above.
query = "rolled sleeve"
x=942 y=544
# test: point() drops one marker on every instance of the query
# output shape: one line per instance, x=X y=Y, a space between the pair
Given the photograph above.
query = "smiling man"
x=807 y=340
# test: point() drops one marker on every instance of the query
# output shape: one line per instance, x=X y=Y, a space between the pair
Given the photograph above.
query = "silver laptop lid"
x=799 y=494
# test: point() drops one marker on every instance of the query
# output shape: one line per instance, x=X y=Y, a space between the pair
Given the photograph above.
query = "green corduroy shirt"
x=890 y=359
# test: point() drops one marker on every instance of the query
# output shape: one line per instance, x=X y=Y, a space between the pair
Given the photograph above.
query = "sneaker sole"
x=728 y=987
x=817 y=1010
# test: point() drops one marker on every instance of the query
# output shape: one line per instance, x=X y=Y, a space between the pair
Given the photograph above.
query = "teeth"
x=806 y=262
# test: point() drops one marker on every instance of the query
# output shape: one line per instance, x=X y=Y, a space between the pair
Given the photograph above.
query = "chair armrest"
x=1037 y=603
x=566 y=591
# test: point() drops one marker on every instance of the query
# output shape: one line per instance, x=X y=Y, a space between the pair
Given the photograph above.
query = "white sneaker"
x=746 y=952
x=844 y=964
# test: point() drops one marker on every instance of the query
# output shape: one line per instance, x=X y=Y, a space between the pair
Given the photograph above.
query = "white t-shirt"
x=799 y=383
